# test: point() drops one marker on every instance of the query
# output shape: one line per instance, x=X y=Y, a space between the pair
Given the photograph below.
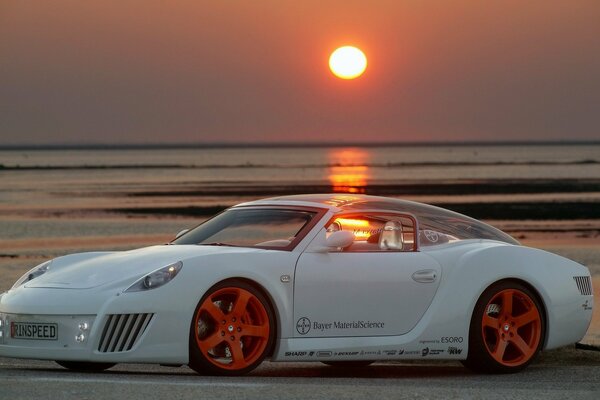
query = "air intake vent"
x=584 y=284
x=122 y=331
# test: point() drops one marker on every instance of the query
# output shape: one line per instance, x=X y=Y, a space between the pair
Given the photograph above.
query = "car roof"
x=339 y=202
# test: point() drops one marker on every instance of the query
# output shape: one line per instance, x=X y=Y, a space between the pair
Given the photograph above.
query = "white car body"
x=329 y=305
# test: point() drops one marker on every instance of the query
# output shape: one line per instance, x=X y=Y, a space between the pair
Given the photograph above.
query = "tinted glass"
x=250 y=228
x=455 y=225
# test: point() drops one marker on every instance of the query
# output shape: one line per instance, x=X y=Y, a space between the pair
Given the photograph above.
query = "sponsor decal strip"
x=304 y=325
x=371 y=354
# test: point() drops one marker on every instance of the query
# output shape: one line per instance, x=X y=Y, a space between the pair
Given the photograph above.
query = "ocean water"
x=40 y=189
x=30 y=175
x=498 y=160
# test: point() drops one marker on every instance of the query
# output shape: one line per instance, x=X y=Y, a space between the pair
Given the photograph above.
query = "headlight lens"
x=157 y=278
x=33 y=273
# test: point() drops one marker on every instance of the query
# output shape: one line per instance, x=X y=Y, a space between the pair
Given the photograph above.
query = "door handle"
x=425 y=276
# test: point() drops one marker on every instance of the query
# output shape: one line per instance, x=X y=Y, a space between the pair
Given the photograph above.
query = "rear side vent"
x=122 y=331
x=584 y=284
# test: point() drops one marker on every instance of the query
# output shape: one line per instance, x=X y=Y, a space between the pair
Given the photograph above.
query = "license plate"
x=33 y=331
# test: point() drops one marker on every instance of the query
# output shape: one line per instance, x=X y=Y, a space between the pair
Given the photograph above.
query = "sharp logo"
x=295 y=353
x=454 y=350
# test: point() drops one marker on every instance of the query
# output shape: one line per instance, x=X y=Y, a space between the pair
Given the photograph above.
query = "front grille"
x=122 y=331
x=584 y=284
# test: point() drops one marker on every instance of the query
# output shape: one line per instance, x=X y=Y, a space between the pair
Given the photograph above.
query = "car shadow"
x=384 y=370
x=566 y=357
x=374 y=371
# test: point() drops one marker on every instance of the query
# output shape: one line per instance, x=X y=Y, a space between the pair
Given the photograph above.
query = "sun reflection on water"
x=348 y=171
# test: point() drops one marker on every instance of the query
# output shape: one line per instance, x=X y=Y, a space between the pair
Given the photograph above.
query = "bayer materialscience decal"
x=303 y=326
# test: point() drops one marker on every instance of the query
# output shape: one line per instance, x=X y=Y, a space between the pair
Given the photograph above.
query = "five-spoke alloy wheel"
x=507 y=329
x=232 y=331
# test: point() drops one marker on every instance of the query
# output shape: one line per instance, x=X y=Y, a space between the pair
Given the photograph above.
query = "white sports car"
x=341 y=279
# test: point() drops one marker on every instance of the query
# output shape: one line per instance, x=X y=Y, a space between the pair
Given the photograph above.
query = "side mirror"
x=181 y=233
x=339 y=239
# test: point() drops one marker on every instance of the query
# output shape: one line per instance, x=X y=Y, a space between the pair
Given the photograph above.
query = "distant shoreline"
x=531 y=211
x=299 y=166
x=217 y=145
x=430 y=188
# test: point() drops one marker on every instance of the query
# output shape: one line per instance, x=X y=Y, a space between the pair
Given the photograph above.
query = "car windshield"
x=251 y=227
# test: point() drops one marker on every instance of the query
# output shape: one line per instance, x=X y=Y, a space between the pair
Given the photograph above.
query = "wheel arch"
x=529 y=286
x=533 y=268
x=271 y=303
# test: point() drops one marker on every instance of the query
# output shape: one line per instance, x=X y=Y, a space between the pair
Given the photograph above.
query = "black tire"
x=248 y=332
x=503 y=342
x=85 y=366
x=348 y=364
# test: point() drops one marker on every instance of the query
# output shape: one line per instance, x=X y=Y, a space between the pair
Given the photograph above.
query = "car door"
x=373 y=287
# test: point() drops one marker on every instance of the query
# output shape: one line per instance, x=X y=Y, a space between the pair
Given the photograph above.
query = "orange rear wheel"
x=232 y=330
x=511 y=327
x=507 y=329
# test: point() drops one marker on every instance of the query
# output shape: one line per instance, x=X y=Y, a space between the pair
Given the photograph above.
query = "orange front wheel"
x=232 y=330
x=507 y=329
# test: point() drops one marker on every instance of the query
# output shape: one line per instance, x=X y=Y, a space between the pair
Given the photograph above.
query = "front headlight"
x=33 y=273
x=157 y=278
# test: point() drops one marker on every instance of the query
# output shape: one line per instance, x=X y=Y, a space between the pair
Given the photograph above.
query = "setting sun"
x=347 y=62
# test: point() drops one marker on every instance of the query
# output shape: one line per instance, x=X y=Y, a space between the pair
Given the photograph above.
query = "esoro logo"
x=452 y=339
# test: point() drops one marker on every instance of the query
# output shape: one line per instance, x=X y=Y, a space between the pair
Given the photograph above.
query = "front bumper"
x=112 y=338
x=72 y=340
x=139 y=327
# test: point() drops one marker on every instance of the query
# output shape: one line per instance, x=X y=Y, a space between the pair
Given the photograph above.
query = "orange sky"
x=151 y=71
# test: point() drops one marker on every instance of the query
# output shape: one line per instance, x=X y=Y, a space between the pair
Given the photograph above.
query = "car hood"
x=88 y=270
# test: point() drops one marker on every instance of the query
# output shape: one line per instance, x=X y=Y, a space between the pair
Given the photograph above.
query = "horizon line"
x=214 y=145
